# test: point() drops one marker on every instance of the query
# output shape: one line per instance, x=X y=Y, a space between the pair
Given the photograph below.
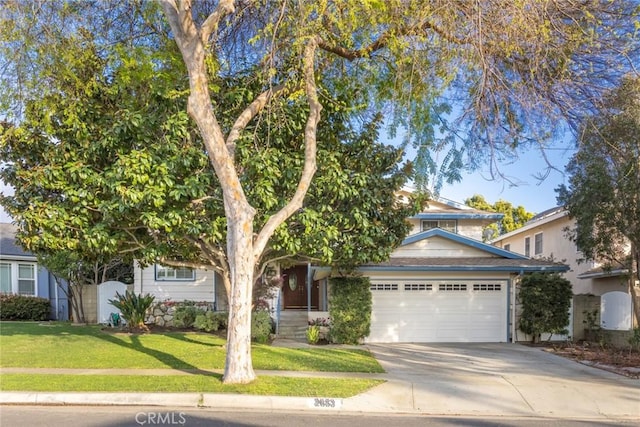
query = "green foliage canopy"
x=113 y=164
x=514 y=217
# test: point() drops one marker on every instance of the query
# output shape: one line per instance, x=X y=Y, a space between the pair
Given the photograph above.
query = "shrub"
x=545 y=299
x=185 y=316
x=23 y=307
x=350 y=309
x=207 y=321
x=223 y=319
x=133 y=308
x=313 y=334
x=261 y=326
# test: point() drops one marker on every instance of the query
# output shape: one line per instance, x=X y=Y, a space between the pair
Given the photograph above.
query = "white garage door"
x=439 y=311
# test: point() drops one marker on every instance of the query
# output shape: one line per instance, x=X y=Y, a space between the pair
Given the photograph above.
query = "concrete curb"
x=106 y=399
x=193 y=400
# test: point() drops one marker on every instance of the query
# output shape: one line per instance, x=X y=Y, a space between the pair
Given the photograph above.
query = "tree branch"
x=248 y=114
x=174 y=263
x=381 y=42
x=210 y=25
x=309 y=168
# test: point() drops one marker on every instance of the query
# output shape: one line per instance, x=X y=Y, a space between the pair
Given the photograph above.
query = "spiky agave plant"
x=133 y=308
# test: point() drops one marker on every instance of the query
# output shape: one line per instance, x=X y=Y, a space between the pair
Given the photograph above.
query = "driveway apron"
x=496 y=379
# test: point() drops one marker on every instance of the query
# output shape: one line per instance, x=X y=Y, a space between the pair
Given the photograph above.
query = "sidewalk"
x=491 y=380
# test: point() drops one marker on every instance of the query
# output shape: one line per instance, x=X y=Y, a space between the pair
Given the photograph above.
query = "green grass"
x=61 y=345
x=264 y=385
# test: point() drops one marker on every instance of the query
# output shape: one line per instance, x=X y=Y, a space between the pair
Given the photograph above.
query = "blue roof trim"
x=508 y=269
x=461 y=215
x=462 y=240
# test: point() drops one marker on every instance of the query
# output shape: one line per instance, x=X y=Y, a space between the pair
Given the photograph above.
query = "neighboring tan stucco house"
x=442 y=284
x=21 y=274
x=544 y=236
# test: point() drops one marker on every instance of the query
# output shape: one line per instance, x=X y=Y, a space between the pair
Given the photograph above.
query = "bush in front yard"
x=208 y=322
x=546 y=299
x=22 y=307
x=261 y=326
x=350 y=309
x=185 y=315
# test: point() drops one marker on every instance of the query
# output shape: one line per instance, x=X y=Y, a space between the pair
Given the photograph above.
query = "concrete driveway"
x=496 y=379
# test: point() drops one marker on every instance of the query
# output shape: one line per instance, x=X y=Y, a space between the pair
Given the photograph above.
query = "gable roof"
x=501 y=260
x=466 y=241
x=9 y=249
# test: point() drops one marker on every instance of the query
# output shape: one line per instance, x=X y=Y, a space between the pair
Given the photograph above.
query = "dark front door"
x=294 y=289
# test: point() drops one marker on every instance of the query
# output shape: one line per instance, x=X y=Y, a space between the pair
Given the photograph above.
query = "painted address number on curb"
x=327 y=403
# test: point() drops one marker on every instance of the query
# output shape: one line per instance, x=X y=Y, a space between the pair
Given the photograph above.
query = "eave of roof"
x=600 y=273
x=459 y=215
x=467 y=264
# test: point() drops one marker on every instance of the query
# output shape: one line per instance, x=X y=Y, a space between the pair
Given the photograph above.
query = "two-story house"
x=442 y=284
x=599 y=290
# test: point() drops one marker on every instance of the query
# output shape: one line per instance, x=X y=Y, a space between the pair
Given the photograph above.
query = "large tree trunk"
x=244 y=249
x=238 y=367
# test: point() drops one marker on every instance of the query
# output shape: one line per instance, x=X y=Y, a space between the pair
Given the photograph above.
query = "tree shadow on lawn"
x=166 y=358
x=184 y=338
x=8 y=328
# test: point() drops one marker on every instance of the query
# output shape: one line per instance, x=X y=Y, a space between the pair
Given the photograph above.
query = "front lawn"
x=61 y=345
x=264 y=385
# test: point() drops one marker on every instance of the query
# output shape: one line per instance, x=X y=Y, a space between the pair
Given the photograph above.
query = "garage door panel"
x=447 y=312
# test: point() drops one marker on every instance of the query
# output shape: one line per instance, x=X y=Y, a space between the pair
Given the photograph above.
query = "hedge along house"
x=442 y=284
x=21 y=274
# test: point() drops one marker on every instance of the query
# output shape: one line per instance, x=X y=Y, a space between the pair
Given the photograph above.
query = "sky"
x=534 y=195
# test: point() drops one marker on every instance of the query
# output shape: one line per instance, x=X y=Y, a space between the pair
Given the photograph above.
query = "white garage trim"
x=439 y=310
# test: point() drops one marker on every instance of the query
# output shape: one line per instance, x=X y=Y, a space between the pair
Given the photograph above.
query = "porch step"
x=293 y=324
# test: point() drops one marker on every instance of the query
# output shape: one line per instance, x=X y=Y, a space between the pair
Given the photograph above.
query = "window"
x=452 y=287
x=418 y=287
x=18 y=278
x=26 y=279
x=5 y=278
x=174 y=273
x=527 y=246
x=507 y=247
x=384 y=286
x=487 y=287
x=537 y=244
x=448 y=225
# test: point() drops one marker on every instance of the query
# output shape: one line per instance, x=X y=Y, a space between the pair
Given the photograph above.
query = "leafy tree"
x=545 y=299
x=603 y=195
x=514 y=217
x=261 y=72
